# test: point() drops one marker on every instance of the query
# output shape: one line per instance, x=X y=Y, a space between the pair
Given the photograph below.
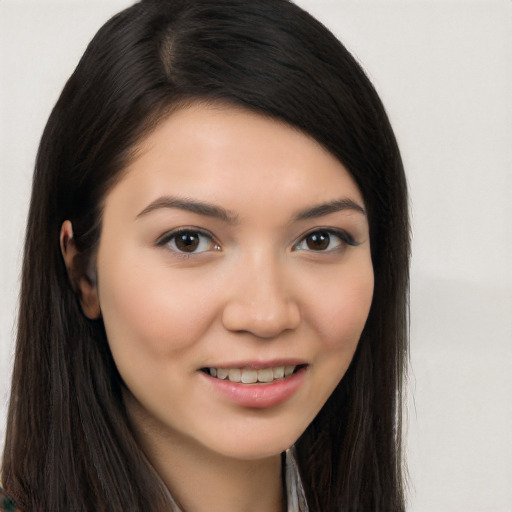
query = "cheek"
x=145 y=309
x=336 y=318
x=341 y=311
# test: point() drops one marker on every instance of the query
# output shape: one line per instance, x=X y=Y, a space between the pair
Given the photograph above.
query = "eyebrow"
x=191 y=205
x=329 y=207
x=211 y=210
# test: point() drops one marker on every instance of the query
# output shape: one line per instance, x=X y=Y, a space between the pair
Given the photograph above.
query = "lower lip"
x=259 y=396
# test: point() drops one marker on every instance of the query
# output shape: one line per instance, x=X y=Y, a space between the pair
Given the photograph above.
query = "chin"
x=255 y=444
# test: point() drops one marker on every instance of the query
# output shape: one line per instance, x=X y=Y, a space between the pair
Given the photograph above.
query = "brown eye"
x=187 y=241
x=325 y=240
x=318 y=241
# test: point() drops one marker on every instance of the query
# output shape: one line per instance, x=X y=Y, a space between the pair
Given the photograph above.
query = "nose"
x=261 y=301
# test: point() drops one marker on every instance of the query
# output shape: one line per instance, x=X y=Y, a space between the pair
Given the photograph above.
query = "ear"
x=83 y=282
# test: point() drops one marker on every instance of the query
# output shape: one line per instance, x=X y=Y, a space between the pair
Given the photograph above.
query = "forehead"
x=230 y=155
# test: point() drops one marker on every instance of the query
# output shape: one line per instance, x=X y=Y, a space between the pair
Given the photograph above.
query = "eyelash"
x=171 y=236
x=344 y=239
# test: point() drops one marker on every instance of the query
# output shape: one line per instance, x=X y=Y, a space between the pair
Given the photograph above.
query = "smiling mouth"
x=251 y=375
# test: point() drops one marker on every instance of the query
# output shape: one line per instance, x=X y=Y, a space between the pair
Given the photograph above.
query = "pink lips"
x=259 y=396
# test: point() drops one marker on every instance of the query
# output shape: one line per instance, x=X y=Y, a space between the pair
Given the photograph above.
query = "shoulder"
x=6 y=504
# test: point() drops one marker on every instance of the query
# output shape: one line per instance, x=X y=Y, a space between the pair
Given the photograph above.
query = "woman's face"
x=234 y=248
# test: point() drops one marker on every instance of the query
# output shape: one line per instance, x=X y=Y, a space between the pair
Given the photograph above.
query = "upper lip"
x=258 y=365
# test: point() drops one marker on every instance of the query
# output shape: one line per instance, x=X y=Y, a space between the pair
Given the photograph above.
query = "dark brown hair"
x=68 y=444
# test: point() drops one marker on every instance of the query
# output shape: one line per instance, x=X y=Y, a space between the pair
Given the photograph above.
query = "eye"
x=324 y=240
x=189 y=241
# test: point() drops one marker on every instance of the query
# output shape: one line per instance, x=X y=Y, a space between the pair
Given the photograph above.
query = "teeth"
x=288 y=370
x=222 y=373
x=266 y=375
x=250 y=375
x=234 y=375
x=279 y=372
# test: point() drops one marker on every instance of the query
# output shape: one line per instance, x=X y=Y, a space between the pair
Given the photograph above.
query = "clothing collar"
x=295 y=497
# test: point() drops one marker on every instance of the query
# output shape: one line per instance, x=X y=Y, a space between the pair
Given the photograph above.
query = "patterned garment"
x=6 y=505
x=294 y=492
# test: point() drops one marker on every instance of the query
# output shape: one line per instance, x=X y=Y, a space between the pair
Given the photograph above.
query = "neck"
x=200 y=480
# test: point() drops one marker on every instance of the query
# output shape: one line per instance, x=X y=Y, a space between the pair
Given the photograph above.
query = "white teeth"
x=234 y=375
x=266 y=375
x=288 y=370
x=278 y=372
x=250 y=375
x=222 y=373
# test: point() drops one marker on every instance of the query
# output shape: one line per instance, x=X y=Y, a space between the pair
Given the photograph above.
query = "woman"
x=213 y=303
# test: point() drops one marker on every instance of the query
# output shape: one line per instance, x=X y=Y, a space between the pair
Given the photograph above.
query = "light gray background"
x=444 y=72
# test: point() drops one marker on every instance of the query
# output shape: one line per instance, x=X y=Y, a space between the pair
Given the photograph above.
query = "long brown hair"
x=68 y=443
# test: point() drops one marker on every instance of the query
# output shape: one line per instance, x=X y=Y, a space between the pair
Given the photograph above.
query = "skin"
x=255 y=292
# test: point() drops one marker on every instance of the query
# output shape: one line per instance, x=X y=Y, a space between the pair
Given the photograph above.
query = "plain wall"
x=444 y=72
